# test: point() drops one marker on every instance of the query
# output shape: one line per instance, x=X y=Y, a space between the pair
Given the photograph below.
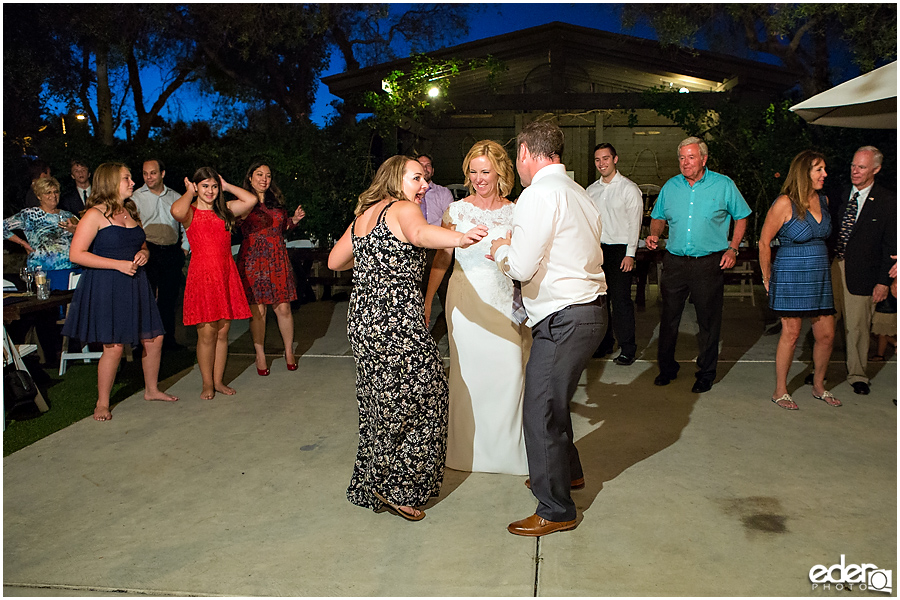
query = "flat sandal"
x=786 y=398
x=828 y=398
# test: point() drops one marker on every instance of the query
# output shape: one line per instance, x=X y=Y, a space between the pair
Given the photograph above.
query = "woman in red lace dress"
x=212 y=292
x=264 y=266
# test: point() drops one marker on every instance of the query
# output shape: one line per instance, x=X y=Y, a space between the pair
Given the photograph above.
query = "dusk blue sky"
x=496 y=19
x=487 y=20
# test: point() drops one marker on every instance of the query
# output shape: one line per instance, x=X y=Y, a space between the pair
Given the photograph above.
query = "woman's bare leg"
x=222 y=357
x=286 y=327
x=206 y=357
x=823 y=332
x=150 y=363
x=258 y=333
x=106 y=375
x=784 y=353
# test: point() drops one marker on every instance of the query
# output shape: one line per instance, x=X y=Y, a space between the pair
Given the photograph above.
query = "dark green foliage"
x=804 y=37
x=754 y=144
x=324 y=169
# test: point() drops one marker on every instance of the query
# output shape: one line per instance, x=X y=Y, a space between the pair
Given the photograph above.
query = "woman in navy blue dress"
x=799 y=282
x=113 y=303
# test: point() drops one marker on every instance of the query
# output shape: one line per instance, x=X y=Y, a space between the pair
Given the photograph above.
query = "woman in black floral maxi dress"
x=401 y=386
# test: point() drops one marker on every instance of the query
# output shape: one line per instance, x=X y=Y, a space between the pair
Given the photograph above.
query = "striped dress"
x=800 y=285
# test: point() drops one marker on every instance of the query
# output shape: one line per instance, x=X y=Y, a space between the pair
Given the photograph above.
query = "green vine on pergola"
x=405 y=95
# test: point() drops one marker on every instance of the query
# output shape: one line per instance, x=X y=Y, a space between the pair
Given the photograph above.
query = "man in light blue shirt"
x=698 y=207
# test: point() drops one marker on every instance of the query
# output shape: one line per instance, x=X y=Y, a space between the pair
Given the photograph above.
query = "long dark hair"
x=273 y=198
x=220 y=207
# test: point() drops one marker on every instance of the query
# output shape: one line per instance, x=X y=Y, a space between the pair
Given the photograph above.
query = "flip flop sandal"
x=828 y=398
x=396 y=509
x=791 y=405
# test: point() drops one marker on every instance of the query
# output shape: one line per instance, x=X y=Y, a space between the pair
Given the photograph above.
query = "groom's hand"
x=499 y=242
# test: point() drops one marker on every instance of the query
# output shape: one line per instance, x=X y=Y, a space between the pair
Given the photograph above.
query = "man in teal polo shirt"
x=698 y=206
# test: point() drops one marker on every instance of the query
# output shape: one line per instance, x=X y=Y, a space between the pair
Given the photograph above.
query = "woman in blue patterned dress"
x=799 y=282
x=48 y=230
x=401 y=388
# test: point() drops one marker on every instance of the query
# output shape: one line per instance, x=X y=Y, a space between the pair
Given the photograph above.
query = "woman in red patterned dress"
x=264 y=266
x=212 y=293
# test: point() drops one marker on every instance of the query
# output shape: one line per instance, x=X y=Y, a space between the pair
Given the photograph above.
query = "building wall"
x=647 y=152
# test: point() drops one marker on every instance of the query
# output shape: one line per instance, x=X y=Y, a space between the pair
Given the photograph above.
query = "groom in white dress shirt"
x=554 y=251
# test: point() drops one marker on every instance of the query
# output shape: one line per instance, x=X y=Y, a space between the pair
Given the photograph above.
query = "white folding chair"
x=85 y=354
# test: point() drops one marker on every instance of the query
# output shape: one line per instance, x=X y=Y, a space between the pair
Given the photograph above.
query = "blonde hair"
x=499 y=161
x=798 y=184
x=105 y=192
x=43 y=185
x=388 y=183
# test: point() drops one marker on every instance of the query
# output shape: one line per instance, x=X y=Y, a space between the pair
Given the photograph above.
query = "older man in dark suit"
x=863 y=240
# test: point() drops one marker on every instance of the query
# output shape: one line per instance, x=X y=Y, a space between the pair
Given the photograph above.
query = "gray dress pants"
x=563 y=344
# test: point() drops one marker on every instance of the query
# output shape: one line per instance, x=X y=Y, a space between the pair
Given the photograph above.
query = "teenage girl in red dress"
x=213 y=294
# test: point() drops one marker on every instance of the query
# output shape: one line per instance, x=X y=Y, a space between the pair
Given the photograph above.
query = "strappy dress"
x=401 y=387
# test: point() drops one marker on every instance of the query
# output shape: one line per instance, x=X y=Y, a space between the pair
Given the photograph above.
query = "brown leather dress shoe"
x=535 y=526
x=577 y=484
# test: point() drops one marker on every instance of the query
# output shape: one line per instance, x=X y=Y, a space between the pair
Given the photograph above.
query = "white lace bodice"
x=492 y=286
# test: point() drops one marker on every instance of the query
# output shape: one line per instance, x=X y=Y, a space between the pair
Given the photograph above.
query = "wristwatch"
x=733 y=249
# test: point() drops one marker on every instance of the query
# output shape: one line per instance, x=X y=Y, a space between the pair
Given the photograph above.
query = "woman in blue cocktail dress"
x=799 y=281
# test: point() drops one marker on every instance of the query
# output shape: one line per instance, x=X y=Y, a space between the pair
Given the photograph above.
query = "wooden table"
x=14 y=312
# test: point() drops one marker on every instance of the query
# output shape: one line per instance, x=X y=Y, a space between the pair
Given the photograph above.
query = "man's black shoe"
x=601 y=352
x=861 y=387
x=624 y=360
x=808 y=380
x=662 y=380
x=701 y=386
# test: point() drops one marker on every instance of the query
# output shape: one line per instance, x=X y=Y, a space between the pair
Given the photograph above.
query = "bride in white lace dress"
x=488 y=349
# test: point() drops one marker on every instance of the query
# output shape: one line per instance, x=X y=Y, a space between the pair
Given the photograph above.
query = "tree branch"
x=134 y=80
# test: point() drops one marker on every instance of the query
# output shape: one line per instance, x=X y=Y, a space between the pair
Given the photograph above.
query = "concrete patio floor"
x=715 y=494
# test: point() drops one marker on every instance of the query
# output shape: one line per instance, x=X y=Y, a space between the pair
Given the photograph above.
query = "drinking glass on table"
x=27 y=276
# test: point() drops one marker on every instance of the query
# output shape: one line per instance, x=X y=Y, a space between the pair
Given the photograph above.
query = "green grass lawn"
x=73 y=396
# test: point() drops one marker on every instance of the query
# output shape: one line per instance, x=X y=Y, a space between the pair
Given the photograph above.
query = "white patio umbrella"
x=866 y=102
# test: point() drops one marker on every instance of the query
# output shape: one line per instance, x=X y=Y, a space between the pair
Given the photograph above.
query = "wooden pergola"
x=590 y=80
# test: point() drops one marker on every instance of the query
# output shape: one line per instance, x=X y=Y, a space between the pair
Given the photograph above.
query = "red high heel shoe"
x=262 y=372
x=291 y=367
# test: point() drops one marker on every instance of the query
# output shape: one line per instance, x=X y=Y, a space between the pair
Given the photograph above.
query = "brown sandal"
x=399 y=511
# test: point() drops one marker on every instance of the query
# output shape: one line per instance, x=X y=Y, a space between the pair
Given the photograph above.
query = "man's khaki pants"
x=856 y=313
